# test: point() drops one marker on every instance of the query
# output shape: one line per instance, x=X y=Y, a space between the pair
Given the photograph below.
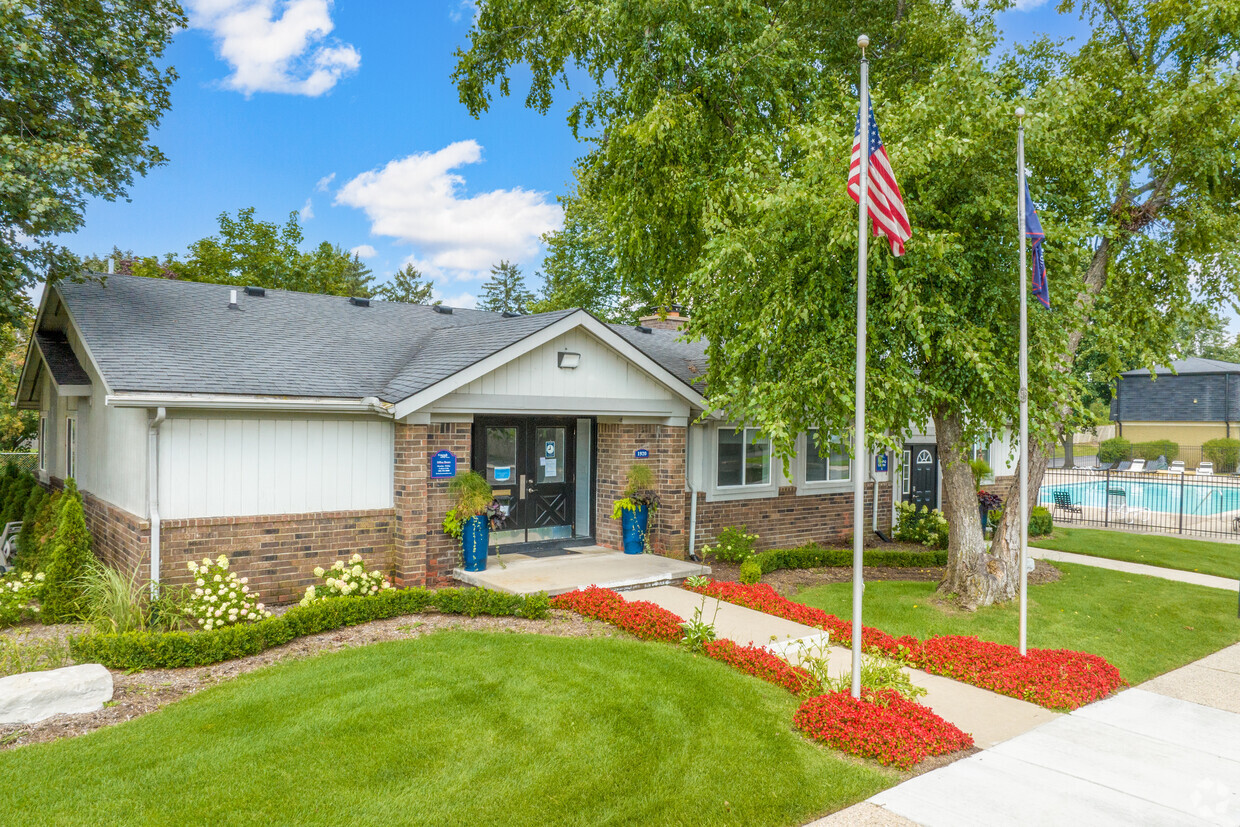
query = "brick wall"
x=788 y=520
x=118 y=538
x=442 y=553
x=409 y=478
x=277 y=552
x=617 y=444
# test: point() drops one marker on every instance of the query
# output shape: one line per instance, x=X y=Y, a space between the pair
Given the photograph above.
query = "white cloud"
x=276 y=45
x=464 y=300
x=462 y=9
x=325 y=182
x=1028 y=5
x=364 y=251
x=418 y=200
x=307 y=211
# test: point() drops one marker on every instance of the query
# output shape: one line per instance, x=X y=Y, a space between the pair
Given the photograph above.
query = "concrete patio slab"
x=556 y=575
x=1194 y=577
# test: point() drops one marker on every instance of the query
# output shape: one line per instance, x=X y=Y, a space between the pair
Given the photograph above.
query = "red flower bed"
x=1053 y=678
x=762 y=664
x=644 y=619
x=882 y=725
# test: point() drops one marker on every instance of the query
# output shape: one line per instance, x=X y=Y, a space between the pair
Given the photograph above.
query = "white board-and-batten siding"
x=214 y=466
x=604 y=383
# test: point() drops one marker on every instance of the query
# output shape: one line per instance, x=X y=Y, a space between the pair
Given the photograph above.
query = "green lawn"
x=1143 y=625
x=1222 y=559
x=454 y=728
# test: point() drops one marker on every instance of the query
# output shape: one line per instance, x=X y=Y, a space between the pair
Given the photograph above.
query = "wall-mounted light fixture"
x=568 y=359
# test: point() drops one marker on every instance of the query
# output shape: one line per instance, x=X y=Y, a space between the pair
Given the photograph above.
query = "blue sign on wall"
x=880 y=464
x=443 y=464
x=641 y=453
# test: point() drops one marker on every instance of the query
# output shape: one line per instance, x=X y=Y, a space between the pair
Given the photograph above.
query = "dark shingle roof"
x=1191 y=365
x=60 y=359
x=164 y=336
x=685 y=360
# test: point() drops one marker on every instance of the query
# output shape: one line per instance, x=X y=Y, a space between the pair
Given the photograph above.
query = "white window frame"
x=906 y=472
x=71 y=446
x=808 y=486
x=987 y=445
x=718 y=493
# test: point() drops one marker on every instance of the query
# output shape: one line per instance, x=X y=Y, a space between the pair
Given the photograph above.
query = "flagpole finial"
x=863 y=41
x=1020 y=111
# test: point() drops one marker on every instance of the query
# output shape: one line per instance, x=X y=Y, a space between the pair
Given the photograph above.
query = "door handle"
x=523 y=486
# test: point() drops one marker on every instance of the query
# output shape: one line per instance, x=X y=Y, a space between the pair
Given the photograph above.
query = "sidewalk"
x=989 y=717
x=1196 y=578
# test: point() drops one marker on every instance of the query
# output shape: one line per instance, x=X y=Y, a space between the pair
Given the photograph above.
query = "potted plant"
x=471 y=518
x=634 y=508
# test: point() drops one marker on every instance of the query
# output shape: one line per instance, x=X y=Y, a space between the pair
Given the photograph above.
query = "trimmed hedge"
x=813 y=556
x=1223 y=452
x=170 y=650
x=1156 y=448
x=1116 y=449
x=1041 y=522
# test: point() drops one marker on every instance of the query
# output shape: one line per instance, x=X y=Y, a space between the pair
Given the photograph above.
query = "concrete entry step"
x=590 y=566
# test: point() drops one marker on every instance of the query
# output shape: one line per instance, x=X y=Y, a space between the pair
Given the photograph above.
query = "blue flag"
x=1033 y=229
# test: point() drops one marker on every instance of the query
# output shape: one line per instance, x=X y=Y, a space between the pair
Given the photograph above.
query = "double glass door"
x=531 y=465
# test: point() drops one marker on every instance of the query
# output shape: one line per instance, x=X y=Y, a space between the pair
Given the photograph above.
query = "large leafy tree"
x=720 y=139
x=17 y=428
x=81 y=89
x=506 y=291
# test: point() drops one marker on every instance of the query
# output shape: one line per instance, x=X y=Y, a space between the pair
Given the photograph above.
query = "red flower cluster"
x=1053 y=678
x=761 y=597
x=642 y=618
x=762 y=664
x=882 y=725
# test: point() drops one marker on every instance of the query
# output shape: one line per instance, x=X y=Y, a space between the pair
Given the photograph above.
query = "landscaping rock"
x=33 y=696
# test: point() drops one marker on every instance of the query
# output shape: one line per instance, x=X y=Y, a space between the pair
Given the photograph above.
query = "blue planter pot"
x=475 y=538
x=634 y=525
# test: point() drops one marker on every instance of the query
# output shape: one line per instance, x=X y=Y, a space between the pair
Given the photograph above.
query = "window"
x=981 y=449
x=70 y=447
x=743 y=459
x=42 y=442
x=906 y=471
x=828 y=462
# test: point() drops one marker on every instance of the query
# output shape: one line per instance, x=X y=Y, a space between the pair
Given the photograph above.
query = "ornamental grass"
x=881 y=725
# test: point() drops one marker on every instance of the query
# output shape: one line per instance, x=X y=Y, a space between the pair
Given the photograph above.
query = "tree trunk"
x=974 y=577
x=1068 y=459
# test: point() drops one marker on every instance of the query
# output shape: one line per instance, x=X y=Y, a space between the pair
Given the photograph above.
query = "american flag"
x=886 y=203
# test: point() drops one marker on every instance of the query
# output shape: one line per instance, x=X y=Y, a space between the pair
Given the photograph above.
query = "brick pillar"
x=443 y=553
x=409 y=497
x=616 y=446
x=670 y=532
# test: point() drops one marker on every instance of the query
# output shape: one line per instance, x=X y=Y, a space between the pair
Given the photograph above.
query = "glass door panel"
x=501 y=446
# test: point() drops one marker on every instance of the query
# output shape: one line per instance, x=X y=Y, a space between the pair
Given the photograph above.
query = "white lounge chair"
x=1137 y=465
x=1205 y=469
x=1177 y=467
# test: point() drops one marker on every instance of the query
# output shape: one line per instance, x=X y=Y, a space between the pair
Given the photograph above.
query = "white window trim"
x=71 y=446
x=43 y=442
x=717 y=493
x=808 y=487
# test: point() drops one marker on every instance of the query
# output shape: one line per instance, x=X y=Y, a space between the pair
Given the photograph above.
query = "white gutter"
x=152 y=477
x=369 y=404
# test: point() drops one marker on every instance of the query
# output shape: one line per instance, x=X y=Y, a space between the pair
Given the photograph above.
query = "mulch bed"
x=138 y=694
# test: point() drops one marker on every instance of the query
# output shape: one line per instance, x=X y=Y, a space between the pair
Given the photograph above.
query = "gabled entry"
x=541 y=470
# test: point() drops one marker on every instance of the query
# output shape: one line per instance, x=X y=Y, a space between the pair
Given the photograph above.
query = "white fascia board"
x=580 y=319
x=247 y=403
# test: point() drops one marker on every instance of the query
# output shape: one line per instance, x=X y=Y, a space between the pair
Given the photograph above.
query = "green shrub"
x=20 y=593
x=1116 y=449
x=751 y=571
x=44 y=529
x=981 y=470
x=1155 y=449
x=1224 y=453
x=733 y=545
x=169 y=650
x=70 y=556
x=15 y=501
x=1040 y=522
x=27 y=547
x=926 y=526
x=812 y=556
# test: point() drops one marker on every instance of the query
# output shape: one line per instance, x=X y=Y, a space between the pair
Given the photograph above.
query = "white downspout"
x=152 y=478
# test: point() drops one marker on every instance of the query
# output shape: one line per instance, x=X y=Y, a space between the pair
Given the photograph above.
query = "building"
x=287 y=429
x=1189 y=402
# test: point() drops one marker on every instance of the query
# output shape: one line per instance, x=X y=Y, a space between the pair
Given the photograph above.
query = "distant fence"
x=1153 y=501
x=24 y=461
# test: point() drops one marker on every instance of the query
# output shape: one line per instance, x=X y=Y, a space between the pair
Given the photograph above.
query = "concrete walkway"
x=1196 y=578
x=989 y=717
x=1167 y=752
x=587 y=566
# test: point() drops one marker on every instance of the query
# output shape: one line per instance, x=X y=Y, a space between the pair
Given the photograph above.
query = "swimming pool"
x=1158 y=495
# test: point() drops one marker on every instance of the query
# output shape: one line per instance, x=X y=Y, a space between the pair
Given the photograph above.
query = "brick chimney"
x=673 y=320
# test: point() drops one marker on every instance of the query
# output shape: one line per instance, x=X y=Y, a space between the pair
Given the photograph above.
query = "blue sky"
x=345 y=113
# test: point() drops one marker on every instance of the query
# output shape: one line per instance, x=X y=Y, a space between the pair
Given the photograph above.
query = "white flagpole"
x=859 y=444
x=1024 y=380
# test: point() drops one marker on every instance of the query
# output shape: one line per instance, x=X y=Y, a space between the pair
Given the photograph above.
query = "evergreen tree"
x=44 y=530
x=27 y=547
x=71 y=554
x=409 y=286
x=506 y=290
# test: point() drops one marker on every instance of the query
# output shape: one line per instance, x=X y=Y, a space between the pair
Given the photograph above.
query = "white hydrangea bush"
x=345 y=579
x=221 y=598
x=19 y=596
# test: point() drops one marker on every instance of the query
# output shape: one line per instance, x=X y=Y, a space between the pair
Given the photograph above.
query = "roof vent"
x=642 y=329
x=360 y=302
x=508 y=314
x=255 y=291
x=232 y=300
x=439 y=308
